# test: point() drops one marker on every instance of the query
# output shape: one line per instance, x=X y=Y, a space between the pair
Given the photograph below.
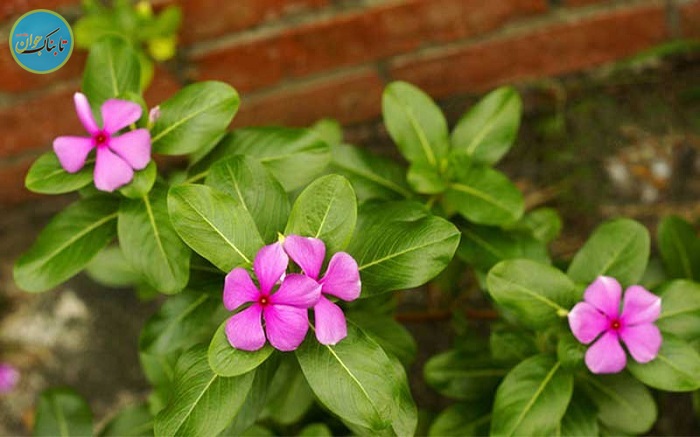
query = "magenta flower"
x=599 y=317
x=117 y=155
x=285 y=311
x=342 y=280
x=9 y=377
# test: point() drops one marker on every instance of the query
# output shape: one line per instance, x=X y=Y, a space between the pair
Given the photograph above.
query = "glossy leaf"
x=392 y=336
x=142 y=183
x=357 y=381
x=316 y=430
x=462 y=420
x=680 y=309
x=150 y=243
x=225 y=360
x=581 y=418
x=194 y=118
x=290 y=396
x=511 y=345
x=110 y=268
x=485 y=246
x=133 y=421
x=537 y=294
x=372 y=177
x=464 y=376
x=46 y=176
x=214 y=225
x=415 y=123
x=543 y=223
x=618 y=248
x=487 y=131
x=326 y=209
x=67 y=244
x=330 y=130
x=425 y=179
x=62 y=412
x=624 y=405
x=399 y=246
x=532 y=399
x=484 y=196
x=112 y=69
x=679 y=247
x=283 y=151
x=203 y=403
x=675 y=368
x=247 y=181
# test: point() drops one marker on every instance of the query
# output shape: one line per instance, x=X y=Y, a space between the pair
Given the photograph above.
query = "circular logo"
x=41 y=41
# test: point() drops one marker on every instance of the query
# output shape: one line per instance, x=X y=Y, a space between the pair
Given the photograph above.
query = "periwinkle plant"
x=277 y=248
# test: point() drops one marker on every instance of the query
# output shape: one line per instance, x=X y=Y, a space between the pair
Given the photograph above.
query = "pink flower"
x=117 y=155
x=342 y=280
x=285 y=311
x=9 y=377
x=599 y=317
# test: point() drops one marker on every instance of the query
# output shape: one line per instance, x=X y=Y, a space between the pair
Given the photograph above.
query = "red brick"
x=12 y=190
x=15 y=79
x=204 y=19
x=33 y=123
x=349 y=98
x=690 y=19
x=356 y=38
x=15 y=8
x=164 y=85
x=557 y=49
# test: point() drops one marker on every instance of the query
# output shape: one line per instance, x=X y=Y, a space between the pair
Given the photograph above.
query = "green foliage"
x=46 y=176
x=62 y=412
x=675 y=368
x=111 y=71
x=679 y=247
x=461 y=375
x=462 y=419
x=225 y=360
x=680 y=309
x=133 y=421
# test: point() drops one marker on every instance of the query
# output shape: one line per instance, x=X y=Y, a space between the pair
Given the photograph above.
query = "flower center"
x=264 y=301
x=615 y=324
x=100 y=139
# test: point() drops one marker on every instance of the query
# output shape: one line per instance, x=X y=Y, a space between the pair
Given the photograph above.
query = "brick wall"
x=295 y=61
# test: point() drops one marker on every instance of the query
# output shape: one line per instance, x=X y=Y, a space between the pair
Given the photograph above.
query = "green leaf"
x=617 y=248
x=215 y=225
x=543 y=223
x=624 y=404
x=46 y=176
x=538 y=295
x=110 y=268
x=316 y=430
x=150 y=243
x=142 y=183
x=462 y=419
x=679 y=247
x=290 y=396
x=570 y=352
x=247 y=181
x=485 y=246
x=62 y=412
x=357 y=381
x=194 y=118
x=111 y=70
x=532 y=399
x=67 y=244
x=133 y=421
x=425 y=179
x=464 y=376
x=203 y=403
x=329 y=130
x=225 y=360
x=489 y=129
x=281 y=150
x=326 y=209
x=680 y=309
x=581 y=418
x=415 y=123
x=392 y=336
x=373 y=177
x=511 y=345
x=484 y=196
x=399 y=246
x=675 y=368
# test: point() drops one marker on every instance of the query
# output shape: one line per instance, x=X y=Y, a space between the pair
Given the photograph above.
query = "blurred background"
x=612 y=117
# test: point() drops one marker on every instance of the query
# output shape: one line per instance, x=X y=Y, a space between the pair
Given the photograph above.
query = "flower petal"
x=9 y=377
x=605 y=293
x=297 y=290
x=642 y=341
x=640 y=306
x=134 y=147
x=118 y=114
x=244 y=330
x=286 y=326
x=82 y=108
x=72 y=152
x=269 y=265
x=239 y=289
x=606 y=355
x=586 y=322
x=342 y=278
x=308 y=253
x=111 y=172
x=330 y=322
